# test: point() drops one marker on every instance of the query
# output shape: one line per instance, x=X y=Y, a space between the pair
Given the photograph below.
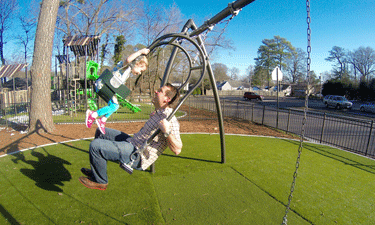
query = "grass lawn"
x=119 y=115
x=41 y=186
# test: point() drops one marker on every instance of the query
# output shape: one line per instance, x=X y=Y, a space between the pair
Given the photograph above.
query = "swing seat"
x=105 y=89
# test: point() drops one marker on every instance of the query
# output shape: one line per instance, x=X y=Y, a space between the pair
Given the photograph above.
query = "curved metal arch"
x=199 y=44
x=176 y=39
x=187 y=56
x=159 y=42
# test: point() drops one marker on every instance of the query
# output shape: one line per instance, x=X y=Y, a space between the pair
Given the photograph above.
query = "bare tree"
x=7 y=10
x=338 y=56
x=220 y=71
x=104 y=18
x=363 y=60
x=249 y=75
x=41 y=110
x=93 y=17
x=27 y=25
x=216 y=40
x=295 y=65
x=104 y=50
x=154 y=21
x=234 y=73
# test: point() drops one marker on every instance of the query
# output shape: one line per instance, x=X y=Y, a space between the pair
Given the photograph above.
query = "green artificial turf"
x=43 y=188
x=123 y=113
x=333 y=186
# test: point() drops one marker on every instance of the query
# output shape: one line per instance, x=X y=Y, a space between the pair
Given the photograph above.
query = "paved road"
x=295 y=103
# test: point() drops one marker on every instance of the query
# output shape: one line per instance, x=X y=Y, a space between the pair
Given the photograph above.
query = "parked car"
x=325 y=99
x=252 y=95
x=338 y=102
x=367 y=108
x=318 y=95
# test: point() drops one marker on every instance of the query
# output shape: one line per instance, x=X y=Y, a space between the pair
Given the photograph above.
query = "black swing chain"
x=204 y=35
x=233 y=14
x=285 y=220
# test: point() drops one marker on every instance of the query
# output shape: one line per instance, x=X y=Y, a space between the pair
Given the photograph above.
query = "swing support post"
x=191 y=25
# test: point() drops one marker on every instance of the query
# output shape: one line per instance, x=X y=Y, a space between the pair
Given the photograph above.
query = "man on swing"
x=115 y=145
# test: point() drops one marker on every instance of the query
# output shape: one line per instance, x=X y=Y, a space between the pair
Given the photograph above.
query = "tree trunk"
x=2 y=49
x=41 y=109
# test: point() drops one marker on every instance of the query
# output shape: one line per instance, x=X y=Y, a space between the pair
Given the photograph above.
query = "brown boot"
x=86 y=172
x=91 y=184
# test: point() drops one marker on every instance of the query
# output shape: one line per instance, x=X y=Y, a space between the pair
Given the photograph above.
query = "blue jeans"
x=107 y=111
x=112 y=146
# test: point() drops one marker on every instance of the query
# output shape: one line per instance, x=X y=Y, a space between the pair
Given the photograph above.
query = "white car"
x=367 y=108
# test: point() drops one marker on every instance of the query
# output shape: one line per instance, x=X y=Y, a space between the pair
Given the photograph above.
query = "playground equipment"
x=73 y=72
x=188 y=44
x=92 y=68
x=106 y=89
x=91 y=103
x=84 y=69
x=125 y=103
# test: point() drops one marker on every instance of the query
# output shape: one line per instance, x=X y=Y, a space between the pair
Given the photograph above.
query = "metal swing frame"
x=192 y=34
x=175 y=40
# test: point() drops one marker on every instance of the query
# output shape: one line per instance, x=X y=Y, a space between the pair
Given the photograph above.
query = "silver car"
x=326 y=98
x=338 y=102
x=367 y=108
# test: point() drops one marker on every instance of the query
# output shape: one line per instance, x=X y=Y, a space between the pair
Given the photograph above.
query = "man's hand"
x=165 y=126
x=144 y=51
x=174 y=144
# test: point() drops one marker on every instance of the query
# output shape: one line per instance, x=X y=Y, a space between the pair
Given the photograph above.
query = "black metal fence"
x=14 y=114
x=353 y=134
x=17 y=114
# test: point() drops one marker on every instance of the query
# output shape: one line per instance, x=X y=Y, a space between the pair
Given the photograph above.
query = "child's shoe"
x=101 y=125
x=89 y=119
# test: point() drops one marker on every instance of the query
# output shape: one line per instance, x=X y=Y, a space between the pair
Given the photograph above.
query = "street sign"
x=277 y=74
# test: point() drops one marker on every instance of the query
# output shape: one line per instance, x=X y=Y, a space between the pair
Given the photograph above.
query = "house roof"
x=222 y=84
x=10 y=70
x=284 y=87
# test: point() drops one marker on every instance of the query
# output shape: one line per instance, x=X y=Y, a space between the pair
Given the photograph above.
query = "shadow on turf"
x=8 y=216
x=322 y=150
x=48 y=171
x=184 y=157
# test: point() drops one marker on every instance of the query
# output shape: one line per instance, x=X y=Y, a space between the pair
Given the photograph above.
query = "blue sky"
x=345 y=23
